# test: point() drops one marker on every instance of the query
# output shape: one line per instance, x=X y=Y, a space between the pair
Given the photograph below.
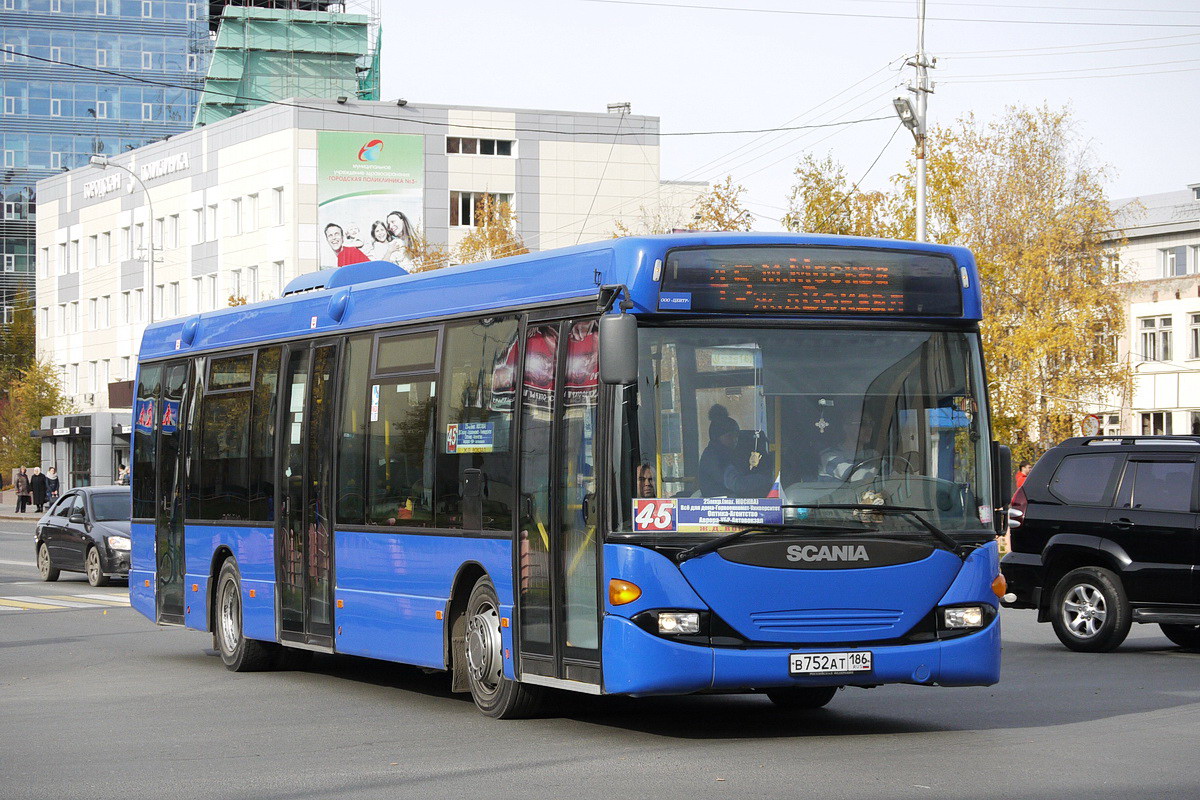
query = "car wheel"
x=48 y=572
x=1186 y=636
x=494 y=695
x=237 y=652
x=799 y=698
x=1091 y=613
x=95 y=572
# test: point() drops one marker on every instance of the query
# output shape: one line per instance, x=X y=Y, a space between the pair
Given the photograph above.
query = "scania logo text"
x=837 y=552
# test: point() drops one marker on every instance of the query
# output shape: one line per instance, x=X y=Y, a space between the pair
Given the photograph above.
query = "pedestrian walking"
x=37 y=488
x=51 y=485
x=22 y=485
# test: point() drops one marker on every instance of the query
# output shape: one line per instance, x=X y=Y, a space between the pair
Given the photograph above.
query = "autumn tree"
x=494 y=235
x=823 y=200
x=424 y=254
x=17 y=339
x=721 y=209
x=33 y=393
x=1025 y=195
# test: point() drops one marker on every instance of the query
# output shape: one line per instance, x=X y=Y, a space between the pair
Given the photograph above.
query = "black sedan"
x=86 y=530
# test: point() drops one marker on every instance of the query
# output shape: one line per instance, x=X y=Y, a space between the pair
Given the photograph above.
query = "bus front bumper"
x=639 y=663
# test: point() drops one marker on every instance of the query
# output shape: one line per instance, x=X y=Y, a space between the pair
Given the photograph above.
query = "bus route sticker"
x=656 y=515
x=706 y=514
x=470 y=437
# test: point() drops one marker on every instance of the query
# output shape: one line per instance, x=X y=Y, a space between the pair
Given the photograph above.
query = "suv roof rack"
x=1085 y=441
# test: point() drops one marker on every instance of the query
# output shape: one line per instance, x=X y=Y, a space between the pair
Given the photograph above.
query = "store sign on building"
x=101 y=186
x=164 y=166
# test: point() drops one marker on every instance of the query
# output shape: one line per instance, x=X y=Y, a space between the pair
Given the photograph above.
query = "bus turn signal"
x=1000 y=586
x=622 y=592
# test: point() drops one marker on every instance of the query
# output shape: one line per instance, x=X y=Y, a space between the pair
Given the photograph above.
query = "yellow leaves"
x=495 y=234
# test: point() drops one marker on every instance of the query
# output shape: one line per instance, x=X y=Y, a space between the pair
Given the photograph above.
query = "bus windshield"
x=728 y=427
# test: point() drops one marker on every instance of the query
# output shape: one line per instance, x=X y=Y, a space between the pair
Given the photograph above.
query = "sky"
x=1129 y=70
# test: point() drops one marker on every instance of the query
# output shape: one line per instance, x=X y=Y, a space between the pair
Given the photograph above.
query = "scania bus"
x=658 y=465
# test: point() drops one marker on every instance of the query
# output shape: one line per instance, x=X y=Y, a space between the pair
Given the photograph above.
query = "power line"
x=1042 y=7
x=415 y=121
x=1071 y=46
x=986 y=79
x=854 y=188
x=1081 y=69
x=1158 y=46
x=689 y=6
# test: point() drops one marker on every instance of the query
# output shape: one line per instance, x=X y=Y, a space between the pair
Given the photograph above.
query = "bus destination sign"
x=810 y=280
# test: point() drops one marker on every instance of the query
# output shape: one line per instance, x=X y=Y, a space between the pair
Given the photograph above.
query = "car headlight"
x=962 y=617
x=683 y=622
x=118 y=542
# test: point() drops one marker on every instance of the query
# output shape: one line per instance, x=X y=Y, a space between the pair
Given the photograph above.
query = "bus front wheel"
x=239 y=653
x=494 y=695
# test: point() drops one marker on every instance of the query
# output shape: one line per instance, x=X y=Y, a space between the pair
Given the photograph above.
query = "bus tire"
x=239 y=653
x=495 y=695
x=800 y=698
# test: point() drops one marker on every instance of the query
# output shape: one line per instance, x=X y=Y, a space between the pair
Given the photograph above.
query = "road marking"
x=9 y=602
x=14 y=533
x=54 y=603
x=93 y=599
x=18 y=563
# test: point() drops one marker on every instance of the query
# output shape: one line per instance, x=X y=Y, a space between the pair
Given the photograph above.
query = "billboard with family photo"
x=370 y=196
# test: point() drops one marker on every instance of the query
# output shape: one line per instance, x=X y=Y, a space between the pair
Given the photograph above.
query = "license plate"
x=830 y=663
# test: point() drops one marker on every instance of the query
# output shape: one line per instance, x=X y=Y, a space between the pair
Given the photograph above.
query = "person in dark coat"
x=22 y=487
x=52 y=484
x=724 y=471
x=37 y=487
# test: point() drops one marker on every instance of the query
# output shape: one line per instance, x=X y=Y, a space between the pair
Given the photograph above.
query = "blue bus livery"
x=657 y=465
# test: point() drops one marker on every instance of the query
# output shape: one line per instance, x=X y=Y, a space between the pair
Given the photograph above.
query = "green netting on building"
x=266 y=54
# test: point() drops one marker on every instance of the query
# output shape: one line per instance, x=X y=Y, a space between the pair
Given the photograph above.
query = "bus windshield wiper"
x=756 y=527
x=908 y=511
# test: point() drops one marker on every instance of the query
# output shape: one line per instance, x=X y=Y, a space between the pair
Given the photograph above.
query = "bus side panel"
x=391 y=586
x=141 y=569
x=253 y=548
x=974 y=581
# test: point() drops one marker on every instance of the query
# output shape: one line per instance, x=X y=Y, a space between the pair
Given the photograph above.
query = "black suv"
x=1105 y=533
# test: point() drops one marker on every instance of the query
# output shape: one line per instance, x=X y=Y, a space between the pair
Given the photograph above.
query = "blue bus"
x=658 y=465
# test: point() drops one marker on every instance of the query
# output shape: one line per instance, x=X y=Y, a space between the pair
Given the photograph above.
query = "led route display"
x=810 y=280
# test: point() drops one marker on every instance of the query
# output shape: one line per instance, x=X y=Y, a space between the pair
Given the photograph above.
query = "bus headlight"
x=962 y=617
x=118 y=542
x=682 y=622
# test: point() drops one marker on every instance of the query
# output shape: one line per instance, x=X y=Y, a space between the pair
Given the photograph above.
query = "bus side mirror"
x=1004 y=474
x=618 y=349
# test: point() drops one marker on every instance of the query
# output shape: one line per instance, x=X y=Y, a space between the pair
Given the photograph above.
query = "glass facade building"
x=79 y=77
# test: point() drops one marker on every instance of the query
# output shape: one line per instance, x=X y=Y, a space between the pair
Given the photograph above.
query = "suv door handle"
x=1123 y=523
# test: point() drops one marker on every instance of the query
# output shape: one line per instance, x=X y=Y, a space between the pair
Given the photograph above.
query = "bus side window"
x=225 y=413
x=149 y=390
x=352 y=443
x=474 y=433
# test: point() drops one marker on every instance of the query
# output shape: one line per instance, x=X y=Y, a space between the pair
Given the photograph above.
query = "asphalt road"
x=97 y=702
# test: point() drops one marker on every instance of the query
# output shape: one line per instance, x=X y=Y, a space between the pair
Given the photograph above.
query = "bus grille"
x=827 y=620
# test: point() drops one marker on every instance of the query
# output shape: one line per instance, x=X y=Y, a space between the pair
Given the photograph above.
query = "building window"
x=138 y=298
x=158 y=297
x=277 y=205
x=236 y=215
x=10 y=158
x=10 y=54
x=483 y=147
x=94 y=314
x=73 y=261
x=93 y=251
x=105 y=303
x=197 y=225
x=464 y=206
x=55 y=160
x=126 y=317
x=55 y=6
x=10 y=105
x=172 y=231
x=43 y=265
x=43 y=321
x=1156 y=423
x=55 y=107
x=191 y=62
x=10 y=210
x=147 y=111
x=72 y=379
x=73 y=317
x=1175 y=261
x=56 y=54
x=173 y=298
x=210 y=222
x=101 y=8
x=1156 y=338
x=62 y=318
x=251 y=213
x=1194 y=335
x=191 y=11
x=105 y=247
x=101 y=58
x=147 y=9
x=147 y=62
x=6 y=314
x=10 y=262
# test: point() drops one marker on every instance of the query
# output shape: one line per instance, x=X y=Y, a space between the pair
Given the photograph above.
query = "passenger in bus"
x=843 y=454
x=646 y=486
x=724 y=470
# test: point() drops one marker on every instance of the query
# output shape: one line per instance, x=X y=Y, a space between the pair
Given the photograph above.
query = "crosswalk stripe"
x=52 y=603
x=91 y=599
x=10 y=603
x=112 y=598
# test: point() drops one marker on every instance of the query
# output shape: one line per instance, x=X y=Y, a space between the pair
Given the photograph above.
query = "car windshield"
x=766 y=425
x=111 y=506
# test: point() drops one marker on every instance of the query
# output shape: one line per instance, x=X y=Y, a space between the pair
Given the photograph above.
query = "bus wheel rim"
x=483 y=649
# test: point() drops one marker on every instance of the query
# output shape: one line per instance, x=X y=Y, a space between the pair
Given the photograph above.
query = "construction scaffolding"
x=275 y=49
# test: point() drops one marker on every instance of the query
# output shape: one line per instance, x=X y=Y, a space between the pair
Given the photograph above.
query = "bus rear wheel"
x=494 y=695
x=237 y=652
x=799 y=698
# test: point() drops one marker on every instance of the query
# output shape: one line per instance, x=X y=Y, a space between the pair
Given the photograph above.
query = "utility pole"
x=914 y=118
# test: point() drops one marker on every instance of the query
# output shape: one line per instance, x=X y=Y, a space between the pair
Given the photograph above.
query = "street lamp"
x=104 y=162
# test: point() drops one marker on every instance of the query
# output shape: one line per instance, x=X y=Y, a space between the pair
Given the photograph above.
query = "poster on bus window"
x=370 y=196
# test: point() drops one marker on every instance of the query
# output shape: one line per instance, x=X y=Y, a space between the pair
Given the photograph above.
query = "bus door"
x=169 y=508
x=558 y=542
x=303 y=534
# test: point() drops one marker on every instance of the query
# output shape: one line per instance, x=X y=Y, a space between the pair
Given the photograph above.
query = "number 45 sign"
x=654 y=515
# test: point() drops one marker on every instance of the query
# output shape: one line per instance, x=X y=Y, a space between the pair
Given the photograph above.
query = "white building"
x=1162 y=254
x=240 y=207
